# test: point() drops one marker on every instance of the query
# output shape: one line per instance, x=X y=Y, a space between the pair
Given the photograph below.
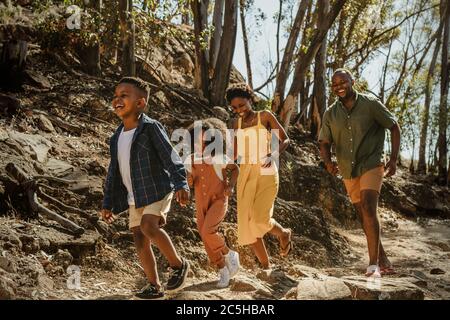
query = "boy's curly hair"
x=241 y=90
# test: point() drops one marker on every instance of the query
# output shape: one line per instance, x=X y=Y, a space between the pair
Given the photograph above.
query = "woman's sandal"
x=385 y=271
x=285 y=251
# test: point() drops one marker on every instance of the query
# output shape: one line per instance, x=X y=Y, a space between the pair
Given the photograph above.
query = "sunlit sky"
x=263 y=48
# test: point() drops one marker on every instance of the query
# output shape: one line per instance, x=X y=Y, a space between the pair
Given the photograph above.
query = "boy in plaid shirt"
x=143 y=176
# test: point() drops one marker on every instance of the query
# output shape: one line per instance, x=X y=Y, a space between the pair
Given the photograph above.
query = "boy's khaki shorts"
x=369 y=180
x=158 y=208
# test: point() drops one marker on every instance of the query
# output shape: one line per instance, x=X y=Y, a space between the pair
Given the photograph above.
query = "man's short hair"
x=139 y=84
x=344 y=70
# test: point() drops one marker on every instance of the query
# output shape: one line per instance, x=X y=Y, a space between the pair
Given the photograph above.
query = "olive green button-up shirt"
x=358 y=134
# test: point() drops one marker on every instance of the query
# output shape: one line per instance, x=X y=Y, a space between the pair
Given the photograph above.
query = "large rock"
x=30 y=243
x=36 y=145
x=364 y=288
x=10 y=236
x=327 y=288
x=79 y=247
x=45 y=124
x=221 y=113
x=7 y=288
x=244 y=284
x=58 y=167
x=38 y=80
x=184 y=62
x=62 y=258
x=276 y=277
x=299 y=270
x=8 y=265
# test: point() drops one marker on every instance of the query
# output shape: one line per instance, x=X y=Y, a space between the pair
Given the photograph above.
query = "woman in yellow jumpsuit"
x=257 y=185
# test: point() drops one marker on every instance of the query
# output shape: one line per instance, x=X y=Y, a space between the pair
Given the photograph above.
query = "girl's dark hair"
x=241 y=90
x=206 y=124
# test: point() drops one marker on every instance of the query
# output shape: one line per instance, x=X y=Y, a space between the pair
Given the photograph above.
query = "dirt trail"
x=415 y=248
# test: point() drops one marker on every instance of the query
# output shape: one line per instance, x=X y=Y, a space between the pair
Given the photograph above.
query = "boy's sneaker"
x=232 y=262
x=177 y=277
x=150 y=291
x=224 y=278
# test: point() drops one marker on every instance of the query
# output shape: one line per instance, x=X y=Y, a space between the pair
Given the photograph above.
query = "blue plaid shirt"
x=153 y=173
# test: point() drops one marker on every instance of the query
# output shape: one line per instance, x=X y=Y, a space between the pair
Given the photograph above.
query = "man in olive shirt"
x=356 y=125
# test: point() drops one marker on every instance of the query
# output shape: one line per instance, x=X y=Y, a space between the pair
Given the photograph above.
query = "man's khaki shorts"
x=369 y=180
x=159 y=208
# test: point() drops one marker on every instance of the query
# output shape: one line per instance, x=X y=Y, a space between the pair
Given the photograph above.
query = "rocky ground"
x=58 y=125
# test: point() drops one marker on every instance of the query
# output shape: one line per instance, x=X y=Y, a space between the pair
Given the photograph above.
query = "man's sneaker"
x=232 y=262
x=150 y=291
x=177 y=277
x=224 y=278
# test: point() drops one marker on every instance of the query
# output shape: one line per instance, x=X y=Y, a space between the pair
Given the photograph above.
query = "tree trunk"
x=109 y=48
x=288 y=55
x=12 y=63
x=411 y=163
x=200 y=12
x=384 y=74
x=280 y=13
x=185 y=14
x=430 y=152
x=226 y=52
x=320 y=89
x=90 y=54
x=214 y=45
x=421 y=165
x=246 y=49
x=339 y=53
x=127 y=33
x=443 y=113
x=304 y=86
x=304 y=63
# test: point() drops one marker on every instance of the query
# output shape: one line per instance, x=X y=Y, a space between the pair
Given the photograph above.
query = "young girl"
x=257 y=185
x=207 y=174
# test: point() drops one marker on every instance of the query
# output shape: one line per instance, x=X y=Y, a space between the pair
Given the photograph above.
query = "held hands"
x=107 y=216
x=182 y=197
x=228 y=191
x=190 y=180
x=332 y=168
x=390 y=168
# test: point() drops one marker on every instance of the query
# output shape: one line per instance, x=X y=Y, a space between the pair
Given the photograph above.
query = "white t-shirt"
x=123 y=155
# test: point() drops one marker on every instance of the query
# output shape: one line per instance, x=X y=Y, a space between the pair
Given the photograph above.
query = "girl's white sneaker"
x=224 y=278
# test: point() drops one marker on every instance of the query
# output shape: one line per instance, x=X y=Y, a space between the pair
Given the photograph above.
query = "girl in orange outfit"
x=207 y=174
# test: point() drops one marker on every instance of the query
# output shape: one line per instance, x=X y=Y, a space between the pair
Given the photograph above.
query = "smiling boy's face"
x=128 y=101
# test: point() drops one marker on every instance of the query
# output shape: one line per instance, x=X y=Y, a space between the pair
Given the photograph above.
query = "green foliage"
x=262 y=105
x=10 y=14
x=363 y=30
x=54 y=32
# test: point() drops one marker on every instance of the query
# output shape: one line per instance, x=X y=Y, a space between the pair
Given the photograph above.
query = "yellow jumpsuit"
x=257 y=187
